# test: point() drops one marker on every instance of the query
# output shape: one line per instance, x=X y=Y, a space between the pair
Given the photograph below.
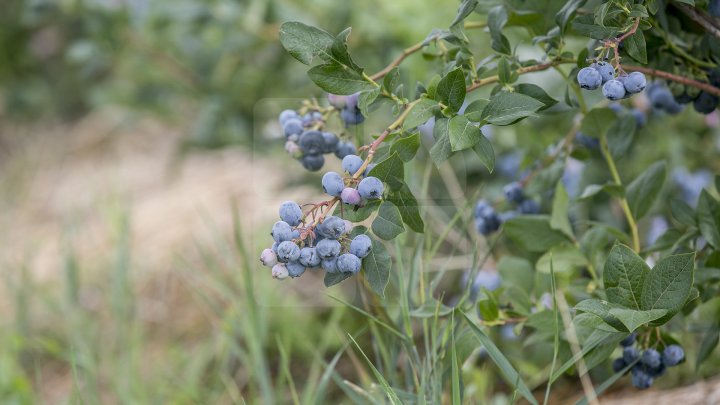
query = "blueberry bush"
x=600 y=253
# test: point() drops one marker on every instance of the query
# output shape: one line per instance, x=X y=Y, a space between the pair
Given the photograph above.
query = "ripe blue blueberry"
x=656 y=372
x=705 y=103
x=651 y=358
x=291 y=213
x=361 y=246
x=309 y=257
x=285 y=115
x=618 y=364
x=630 y=354
x=351 y=101
x=307 y=119
x=331 y=142
x=488 y=224
x=371 y=188
x=714 y=8
x=279 y=271
x=348 y=263
x=514 y=192
x=589 y=78
x=295 y=269
x=673 y=355
x=483 y=209
x=640 y=379
x=350 y=196
x=331 y=227
x=351 y=117
x=312 y=142
x=606 y=70
x=587 y=141
x=529 y=207
x=288 y=251
x=313 y=163
x=629 y=340
x=329 y=265
x=344 y=149
x=369 y=168
x=635 y=82
x=293 y=126
x=487 y=279
x=333 y=184
x=281 y=231
x=352 y=163
x=640 y=118
x=327 y=248
x=274 y=248
x=348 y=226
x=662 y=99
x=268 y=258
x=613 y=90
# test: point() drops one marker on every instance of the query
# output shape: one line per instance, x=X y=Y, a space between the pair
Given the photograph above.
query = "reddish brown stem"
x=706 y=87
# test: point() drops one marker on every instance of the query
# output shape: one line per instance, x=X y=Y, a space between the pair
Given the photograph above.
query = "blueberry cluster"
x=353 y=192
x=327 y=246
x=488 y=220
x=648 y=365
x=349 y=110
x=306 y=142
x=613 y=87
x=672 y=99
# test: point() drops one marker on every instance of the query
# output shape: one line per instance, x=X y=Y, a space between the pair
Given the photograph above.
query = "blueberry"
x=352 y=163
x=639 y=116
x=651 y=358
x=369 y=168
x=705 y=103
x=317 y=116
x=344 y=149
x=488 y=224
x=293 y=149
x=279 y=271
x=514 y=193
x=613 y=90
x=350 y=196
x=285 y=115
x=371 y=188
x=618 y=364
x=589 y=78
x=288 y=251
x=291 y=213
x=295 y=269
x=487 y=279
x=629 y=340
x=662 y=99
x=328 y=248
x=656 y=372
x=483 y=209
x=348 y=263
x=329 y=265
x=587 y=141
x=635 y=82
x=331 y=227
x=309 y=257
x=616 y=107
x=307 y=119
x=673 y=355
x=640 y=379
x=274 y=248
x=351 y=117
x=630 y=354
x=529 y=207
x=312 y=142
x=351 y=101
x=293 y=126
x=268 y=258
x=336 y=100
x=606 y=70
x=331 y=142
x=714 y=8
x=294 y=138
x=361 y=246
x=281 y=231
x=313 y=163
x=333 y=184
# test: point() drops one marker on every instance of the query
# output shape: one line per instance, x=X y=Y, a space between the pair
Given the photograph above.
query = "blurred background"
x=139 y=175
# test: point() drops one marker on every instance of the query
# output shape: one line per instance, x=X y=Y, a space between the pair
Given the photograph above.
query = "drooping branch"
x=669 y=76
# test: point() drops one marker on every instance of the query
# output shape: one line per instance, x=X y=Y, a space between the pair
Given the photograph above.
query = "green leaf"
x=508 y=371
x=338 y=79
x=463 y=133
x=388 y=223
x=601 y=309
x=504 y=72
x=708 y=218
x=633 y=319
x=451 y=89
x=560 y=220
x=597 y=122
x=473 y=111
x=466 y=7
x=366 y=98
x=585 y=26
x=420 y=113
x=668 y=285
x=335 y=278
x=533 y=232
x=506 y=108
x=388 y=169
x=566 y=258
x=357 y=214
x=624 y=277
x=304 y=42
x=682 y=212
x=613 y=189
x=406 y=147
x=484 y=150
x=537 y=93
x=497 y=18
x=391 y=80
x=455 y=374
x=644 y=190
x=404 y=199
x=442 y=148
x=376 y=266
x=621 y=135
x=566 y=13
x=635 y=47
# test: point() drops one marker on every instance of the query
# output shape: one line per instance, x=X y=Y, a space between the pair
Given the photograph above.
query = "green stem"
x=623 y=201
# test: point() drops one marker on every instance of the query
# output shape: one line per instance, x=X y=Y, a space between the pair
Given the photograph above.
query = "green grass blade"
x=511 y=375
x=394 y=399
x=455 y=379
x=556 y=337
x=605 y=385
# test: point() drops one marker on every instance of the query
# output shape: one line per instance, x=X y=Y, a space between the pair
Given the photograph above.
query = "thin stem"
x=706 y=87
x=528 y=69
x=623 y=201
x=708 y=23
